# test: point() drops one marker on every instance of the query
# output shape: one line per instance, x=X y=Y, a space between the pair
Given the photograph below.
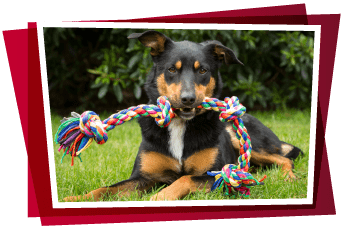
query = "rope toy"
x=76 y=133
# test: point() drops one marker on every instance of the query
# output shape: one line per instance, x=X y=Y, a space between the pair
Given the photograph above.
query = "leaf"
x=137 y=91
x=122 y=82
x=98 y=80
x=102 y=91
x=106 y=69
x=95 y=85
x=252 y=44
x=94 y=71
x=105 y=80
x=134 y=60
x=135 y=74
x=118 y=93
x=241 y=78
x=112 y=75
x=250 y=78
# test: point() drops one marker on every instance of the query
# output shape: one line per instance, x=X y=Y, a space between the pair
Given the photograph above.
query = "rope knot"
x=233 y=109
x=231 y=175
x=167 y=112
x=91 y=126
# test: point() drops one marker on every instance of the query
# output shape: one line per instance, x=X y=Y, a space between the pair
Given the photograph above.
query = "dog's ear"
x=222 y=53
x=155 y=40
x=227 y=54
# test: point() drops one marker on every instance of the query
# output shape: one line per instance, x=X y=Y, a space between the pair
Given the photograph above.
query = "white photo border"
x=315 y=78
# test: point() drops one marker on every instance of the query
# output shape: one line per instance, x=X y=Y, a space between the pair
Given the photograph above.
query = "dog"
x=196 y=141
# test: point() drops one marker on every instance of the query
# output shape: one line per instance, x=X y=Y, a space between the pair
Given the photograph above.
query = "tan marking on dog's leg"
x=178 y=65
x=235 y=142
x=201 y=161
x=95 y=195
x=179 y=189
x=264 y=158
x=154 y=165
x=123 y=189
x=105 y=191
x=196 y=65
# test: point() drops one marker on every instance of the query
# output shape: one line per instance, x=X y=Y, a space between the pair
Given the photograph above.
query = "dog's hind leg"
x=183 y=186
x=263 y=159
x=123 y=188
x=290 y=151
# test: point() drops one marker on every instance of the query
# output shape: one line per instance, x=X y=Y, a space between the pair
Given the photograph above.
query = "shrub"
x=92 y=66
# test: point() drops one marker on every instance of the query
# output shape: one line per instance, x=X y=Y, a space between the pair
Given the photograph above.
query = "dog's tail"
x=290 y=151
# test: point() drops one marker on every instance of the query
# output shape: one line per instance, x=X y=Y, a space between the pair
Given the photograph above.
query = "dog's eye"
x=202 y=71
x=172 y=70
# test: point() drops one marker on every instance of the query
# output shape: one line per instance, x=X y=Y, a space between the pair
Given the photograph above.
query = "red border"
x=38 y=160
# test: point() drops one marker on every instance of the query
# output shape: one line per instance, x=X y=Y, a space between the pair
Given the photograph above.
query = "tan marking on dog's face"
x=200 y=162
x=172 y=91
x=286 y=148
x=178 y=65
x=262 y=158
x=196 y=65
x=202 y=91
x=153 y=165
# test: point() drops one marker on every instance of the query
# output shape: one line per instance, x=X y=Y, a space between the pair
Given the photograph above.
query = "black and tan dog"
x=196 y=141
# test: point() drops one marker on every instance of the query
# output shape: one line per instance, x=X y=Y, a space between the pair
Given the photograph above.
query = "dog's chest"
x=177 y=130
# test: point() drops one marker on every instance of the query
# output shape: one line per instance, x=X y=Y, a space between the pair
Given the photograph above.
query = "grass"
x=106 y=164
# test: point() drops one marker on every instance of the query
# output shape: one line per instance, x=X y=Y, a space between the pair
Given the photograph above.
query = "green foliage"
x=122 y=68
x=92 y=66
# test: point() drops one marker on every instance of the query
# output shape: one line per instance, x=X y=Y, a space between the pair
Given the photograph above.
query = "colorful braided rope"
x=77 y=133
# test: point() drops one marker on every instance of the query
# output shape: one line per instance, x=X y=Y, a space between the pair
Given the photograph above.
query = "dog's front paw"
x=289 y=176
x=158 y=197
x=162 y=196
x=86 y=197
x=72 y=199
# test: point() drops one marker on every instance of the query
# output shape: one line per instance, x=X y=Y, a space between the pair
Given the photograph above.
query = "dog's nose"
x=188 y=98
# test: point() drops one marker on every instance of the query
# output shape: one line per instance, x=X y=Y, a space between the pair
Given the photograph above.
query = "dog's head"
x=185 y=72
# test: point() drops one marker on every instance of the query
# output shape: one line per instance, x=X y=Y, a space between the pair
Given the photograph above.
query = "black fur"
x=204 y=130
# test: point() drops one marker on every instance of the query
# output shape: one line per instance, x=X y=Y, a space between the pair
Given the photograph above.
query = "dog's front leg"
x=183 y=186
x=125 y=188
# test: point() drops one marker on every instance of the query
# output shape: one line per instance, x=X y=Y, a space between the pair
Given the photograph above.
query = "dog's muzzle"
x=187 y=113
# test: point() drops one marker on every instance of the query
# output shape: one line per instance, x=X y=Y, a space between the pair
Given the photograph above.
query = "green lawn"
x=106 y=164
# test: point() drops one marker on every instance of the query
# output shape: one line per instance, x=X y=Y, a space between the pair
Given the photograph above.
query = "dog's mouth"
x=187 y=113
